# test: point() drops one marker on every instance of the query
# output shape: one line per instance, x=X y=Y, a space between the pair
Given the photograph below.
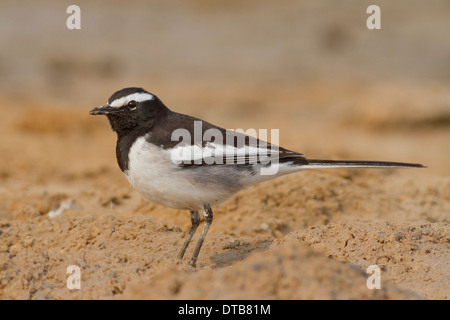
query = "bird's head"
x=130 y=108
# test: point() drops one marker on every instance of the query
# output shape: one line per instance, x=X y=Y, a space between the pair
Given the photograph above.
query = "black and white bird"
x=186 y=163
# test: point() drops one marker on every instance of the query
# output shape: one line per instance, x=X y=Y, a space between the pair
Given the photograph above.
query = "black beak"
x=106 y=109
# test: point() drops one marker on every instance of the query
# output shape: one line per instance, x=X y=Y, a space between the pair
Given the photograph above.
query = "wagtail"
x=186 y=163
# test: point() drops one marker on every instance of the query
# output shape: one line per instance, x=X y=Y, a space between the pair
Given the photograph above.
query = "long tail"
x=323 y=164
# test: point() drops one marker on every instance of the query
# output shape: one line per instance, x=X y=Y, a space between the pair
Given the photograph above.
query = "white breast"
x=153 y=174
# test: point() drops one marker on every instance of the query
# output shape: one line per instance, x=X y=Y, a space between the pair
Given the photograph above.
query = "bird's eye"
x=132 y=104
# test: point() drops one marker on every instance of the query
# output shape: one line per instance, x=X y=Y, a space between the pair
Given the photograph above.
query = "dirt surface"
x=309 y=235
x=267 y=242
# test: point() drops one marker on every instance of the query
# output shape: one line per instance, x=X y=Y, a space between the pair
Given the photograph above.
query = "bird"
x=186 y=163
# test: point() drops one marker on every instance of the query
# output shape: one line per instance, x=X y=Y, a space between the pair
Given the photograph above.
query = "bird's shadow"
x=238 y=252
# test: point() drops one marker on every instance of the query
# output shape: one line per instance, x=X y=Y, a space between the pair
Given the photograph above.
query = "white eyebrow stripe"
x=138 y=96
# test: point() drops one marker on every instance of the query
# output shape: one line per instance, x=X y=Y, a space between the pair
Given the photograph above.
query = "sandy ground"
x=309 y=235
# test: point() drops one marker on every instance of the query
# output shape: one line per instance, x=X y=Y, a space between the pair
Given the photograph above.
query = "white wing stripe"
x=215 y=153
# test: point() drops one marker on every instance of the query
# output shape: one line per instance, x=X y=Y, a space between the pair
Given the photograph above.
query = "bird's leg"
x=208 y=217
x=195 y=220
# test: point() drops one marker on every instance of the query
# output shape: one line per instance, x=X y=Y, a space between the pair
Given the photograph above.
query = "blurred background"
x=312 y=69
x=256 y=40
x=309 y=68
